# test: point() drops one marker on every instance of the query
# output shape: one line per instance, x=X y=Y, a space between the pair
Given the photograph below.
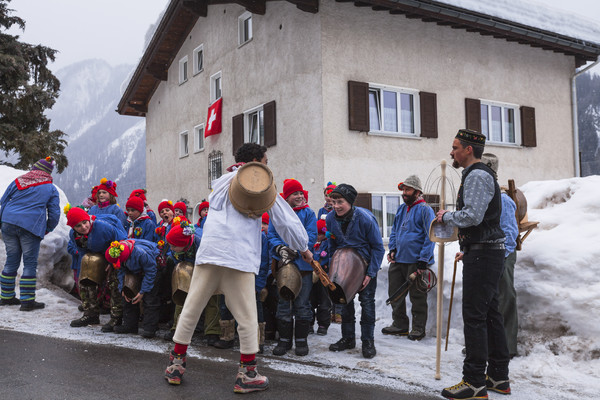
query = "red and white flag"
x=213 y=123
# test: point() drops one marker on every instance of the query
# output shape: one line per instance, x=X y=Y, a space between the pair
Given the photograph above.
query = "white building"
x=364 y=92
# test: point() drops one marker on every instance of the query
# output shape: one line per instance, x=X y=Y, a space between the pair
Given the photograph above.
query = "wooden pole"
x=440 y=292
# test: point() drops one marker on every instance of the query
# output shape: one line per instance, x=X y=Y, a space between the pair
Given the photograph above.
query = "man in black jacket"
x=482 y=252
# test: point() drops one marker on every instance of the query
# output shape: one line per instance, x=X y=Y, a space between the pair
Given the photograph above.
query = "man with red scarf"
x=29 y=210
x=410 y=251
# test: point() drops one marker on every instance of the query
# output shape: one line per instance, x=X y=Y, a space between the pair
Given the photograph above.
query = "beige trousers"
x=238 y=288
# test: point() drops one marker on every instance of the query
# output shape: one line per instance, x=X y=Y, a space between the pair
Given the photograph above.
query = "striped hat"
x=45 y=164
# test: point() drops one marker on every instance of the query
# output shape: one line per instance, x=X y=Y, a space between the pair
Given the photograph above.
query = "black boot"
x=301 y=334
x=285 y=337
x=368 y=348
x=89 y=319
x=343 y=344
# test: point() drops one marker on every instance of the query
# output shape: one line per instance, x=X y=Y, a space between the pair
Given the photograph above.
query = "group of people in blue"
x=141 y=253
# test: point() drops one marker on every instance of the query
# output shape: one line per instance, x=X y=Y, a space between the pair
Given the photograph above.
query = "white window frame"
x=399 y=91
x=384 y=227
x=184 y=144
x=243 y=36
x=198 y=51
x=216 y=87
x=248 y=116
x=198 y=138
x=183 y=67
x=504 y=107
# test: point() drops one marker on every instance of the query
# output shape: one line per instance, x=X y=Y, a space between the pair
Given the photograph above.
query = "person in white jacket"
x=227 y=261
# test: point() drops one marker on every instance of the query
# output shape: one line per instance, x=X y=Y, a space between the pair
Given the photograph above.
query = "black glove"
x=285 y=253
x=421 y=265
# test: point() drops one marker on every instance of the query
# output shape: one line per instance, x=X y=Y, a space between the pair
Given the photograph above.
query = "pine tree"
x=27 y=89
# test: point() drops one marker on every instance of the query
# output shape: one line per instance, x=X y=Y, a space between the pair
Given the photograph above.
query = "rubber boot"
x=285 y=329
x=261 y=337
x=301 y=334
x=227 y=337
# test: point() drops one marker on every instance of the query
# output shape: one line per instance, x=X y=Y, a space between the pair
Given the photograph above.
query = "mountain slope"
x=101 y=142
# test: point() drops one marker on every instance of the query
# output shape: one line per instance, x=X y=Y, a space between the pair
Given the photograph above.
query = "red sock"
x=180 y=348
x=247 y=358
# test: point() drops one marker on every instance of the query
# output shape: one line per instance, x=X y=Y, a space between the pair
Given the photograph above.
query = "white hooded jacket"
x=233 y=240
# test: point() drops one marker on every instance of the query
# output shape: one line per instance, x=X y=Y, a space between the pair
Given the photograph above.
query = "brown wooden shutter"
x=429 y=125
x=270 y=122
x=358 y=106
x=237 y=127
x=473 y=114
x=363 y=200
x=528 y=136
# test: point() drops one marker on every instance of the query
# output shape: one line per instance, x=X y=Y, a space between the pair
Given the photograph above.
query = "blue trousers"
x=366 y=297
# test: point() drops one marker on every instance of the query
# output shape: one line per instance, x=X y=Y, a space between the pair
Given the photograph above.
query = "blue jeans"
x=20 y=242
x=300 y=307
x=366 y=297
x=485 y=339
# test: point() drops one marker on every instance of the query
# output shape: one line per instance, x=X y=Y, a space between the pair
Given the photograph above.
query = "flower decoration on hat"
x=109 y=186
x=329 y=187
x=115 y=249
x=66 y=208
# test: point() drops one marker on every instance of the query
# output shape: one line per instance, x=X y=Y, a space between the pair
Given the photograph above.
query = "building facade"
x=346 y=93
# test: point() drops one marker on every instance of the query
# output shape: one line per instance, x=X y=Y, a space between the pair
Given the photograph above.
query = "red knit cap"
x=119 y=252
x=180 y=205
x=165 y=204
x=203 y=205
x=141 y=193
x=176 y=237
x=94 y=193
x=321 y=226
x=291 y=186
x=136 y=203
x=109 y=186
x=76 y=215
x=265 y=218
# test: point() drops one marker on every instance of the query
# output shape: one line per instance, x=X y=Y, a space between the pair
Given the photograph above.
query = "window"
x=183 y=144
x=215 y=87
x=183 y=67
x=244 y=28
x=394 y=110
x=384 y=207
x=500 y=122
x=198 y=138
x=254 y=126
x=215 y=166
x=198 y=59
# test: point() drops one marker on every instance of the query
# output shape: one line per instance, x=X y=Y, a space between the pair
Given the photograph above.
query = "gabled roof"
x=181 y=16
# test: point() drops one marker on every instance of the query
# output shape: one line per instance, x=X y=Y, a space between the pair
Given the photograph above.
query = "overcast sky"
x=114 y=30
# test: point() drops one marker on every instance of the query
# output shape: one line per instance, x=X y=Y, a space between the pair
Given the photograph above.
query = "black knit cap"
x=471 y=137
x=346 y=191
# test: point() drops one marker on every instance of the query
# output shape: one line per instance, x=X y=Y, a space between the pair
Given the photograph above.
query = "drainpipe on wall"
x=575 y=121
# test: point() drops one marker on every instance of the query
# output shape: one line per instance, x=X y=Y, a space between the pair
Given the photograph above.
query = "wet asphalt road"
x=40 y=368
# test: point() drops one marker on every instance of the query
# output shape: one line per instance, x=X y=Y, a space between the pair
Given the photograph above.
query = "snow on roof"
x=535 y=15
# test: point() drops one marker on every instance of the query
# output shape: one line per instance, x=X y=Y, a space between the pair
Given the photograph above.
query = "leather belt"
x=485 y=246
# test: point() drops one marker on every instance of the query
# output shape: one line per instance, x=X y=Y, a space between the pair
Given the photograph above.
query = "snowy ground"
x=559 y=303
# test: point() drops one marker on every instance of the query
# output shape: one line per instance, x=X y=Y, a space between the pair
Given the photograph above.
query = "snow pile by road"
x=558 y=286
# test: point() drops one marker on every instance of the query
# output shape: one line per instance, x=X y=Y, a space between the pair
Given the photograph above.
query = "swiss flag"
x=213 y=124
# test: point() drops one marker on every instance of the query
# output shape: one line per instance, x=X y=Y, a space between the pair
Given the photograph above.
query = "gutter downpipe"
x=575 y=121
